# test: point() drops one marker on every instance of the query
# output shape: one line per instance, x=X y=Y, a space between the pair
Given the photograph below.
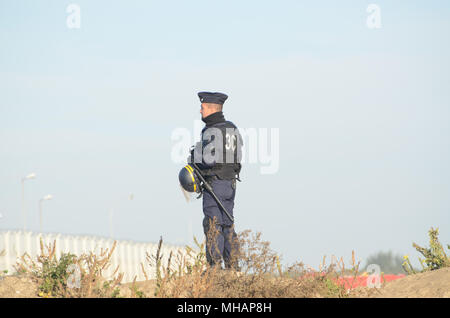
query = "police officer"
x=218 y=156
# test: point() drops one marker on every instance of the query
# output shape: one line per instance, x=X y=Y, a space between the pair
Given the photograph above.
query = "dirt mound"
x=20 y=286
x=432 y=284
x=24 y=286
x=429 y=284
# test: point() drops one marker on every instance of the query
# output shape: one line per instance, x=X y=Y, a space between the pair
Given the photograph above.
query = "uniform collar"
x=214 y=118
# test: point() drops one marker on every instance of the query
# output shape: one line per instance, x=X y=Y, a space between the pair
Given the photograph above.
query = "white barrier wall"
x=127 y=254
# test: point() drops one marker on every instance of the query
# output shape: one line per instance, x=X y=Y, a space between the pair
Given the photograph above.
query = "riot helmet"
x=188 y=179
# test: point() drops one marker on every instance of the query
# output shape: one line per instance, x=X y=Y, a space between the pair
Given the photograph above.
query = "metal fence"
x=128 y=255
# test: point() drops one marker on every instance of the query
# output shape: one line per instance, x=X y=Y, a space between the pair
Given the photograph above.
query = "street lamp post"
x=47 y=197
x=24 y=215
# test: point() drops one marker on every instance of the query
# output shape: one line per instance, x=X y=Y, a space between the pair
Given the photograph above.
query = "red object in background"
x=350 y=282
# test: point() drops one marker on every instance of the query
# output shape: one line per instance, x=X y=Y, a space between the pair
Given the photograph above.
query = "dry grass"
x=260 y=275
x=70 y=275
x=187 y=274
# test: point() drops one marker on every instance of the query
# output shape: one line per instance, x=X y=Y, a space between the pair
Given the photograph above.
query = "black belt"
x=211 y=178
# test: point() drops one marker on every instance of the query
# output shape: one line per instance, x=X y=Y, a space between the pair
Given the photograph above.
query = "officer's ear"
x=214 y=107
x=218 y=107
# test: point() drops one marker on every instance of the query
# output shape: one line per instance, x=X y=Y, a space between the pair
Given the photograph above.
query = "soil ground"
x=23 y=286
x=434 y=284
x=18 y=287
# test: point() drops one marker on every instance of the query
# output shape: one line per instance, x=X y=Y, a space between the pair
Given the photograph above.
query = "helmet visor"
x=189 y=196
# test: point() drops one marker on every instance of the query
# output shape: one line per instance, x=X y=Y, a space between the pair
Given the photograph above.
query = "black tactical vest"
x=229 y=163
x=227 y=152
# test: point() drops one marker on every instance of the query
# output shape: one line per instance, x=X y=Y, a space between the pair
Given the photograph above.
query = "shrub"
x=260 y=274
x=70 y=275
x=435 y=256
x=389 y=263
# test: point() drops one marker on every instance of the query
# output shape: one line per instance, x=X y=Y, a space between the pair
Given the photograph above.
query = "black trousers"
x=221 y=238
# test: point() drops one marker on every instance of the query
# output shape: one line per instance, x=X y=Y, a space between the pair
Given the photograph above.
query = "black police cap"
x=213 y=98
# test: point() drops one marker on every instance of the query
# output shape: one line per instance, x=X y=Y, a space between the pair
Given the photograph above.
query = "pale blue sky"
x=363 y=117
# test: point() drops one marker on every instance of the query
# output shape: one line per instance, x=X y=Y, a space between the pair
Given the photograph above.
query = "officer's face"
x=205 y=110
x=208 y=109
